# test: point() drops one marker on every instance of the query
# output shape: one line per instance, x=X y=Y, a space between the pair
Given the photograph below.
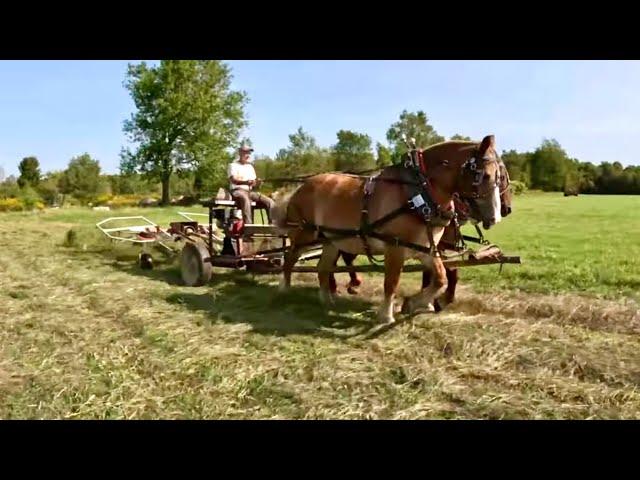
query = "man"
x=243 y=178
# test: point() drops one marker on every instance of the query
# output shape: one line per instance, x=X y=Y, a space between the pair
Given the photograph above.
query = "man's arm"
x=235 y=181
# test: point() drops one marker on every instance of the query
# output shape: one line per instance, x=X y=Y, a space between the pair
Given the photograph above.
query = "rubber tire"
x=194 y=270
x=146 y=261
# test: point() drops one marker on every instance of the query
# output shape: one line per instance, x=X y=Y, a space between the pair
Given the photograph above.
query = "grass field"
x=87 y=334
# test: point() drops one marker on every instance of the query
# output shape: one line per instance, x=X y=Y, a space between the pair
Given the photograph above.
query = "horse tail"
x=280 y=212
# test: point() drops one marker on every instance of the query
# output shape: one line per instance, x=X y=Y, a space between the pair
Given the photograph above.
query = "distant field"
x=586 y=244
x=87 y=334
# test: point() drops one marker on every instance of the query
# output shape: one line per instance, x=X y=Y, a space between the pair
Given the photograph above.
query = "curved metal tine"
x=113 y=232
x=188 y=215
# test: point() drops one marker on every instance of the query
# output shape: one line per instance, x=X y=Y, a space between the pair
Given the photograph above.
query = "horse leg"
x=333 y=285
x=355 y=279
x=426 y=279
x=450 y=293
x=393 y=263
x=437 y=286
x=328 y=259
x=292 y=256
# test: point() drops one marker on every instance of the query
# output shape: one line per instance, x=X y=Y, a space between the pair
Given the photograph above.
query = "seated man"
x=243 y=178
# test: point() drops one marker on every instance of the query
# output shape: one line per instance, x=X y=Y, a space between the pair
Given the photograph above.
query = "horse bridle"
x=471 y=166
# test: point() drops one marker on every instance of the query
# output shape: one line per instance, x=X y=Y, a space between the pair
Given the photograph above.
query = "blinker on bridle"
x=472 y=166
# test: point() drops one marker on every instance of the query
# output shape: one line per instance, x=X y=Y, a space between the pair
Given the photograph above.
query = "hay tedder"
x=222 y=241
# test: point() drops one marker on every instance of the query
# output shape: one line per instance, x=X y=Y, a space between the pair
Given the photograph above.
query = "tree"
x=81 y=178
x=383 y=156
x=303 y=156
x=572 y=177
x=457 y=136
x=414 y=125
x=9 y=188
x=353 y=152
x=187 y=116
x=300 y=142
x=588 y=177
x=29 y=172
x=518 y=165
x=549 y=165
x=48 y=188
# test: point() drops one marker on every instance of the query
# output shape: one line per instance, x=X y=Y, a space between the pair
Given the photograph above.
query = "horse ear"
x=488 y=141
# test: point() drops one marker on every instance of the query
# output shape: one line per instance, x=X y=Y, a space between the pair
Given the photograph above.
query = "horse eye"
x=487 y=176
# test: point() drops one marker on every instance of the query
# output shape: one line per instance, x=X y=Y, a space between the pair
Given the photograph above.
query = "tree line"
x=549 y=168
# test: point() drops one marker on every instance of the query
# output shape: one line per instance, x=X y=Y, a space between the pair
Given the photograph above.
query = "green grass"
x=586 y=244
x=87 y=334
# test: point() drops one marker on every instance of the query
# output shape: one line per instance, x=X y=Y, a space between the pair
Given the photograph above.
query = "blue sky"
x=58 y=109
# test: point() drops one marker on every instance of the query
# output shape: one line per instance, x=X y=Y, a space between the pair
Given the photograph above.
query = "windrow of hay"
x=621 y=316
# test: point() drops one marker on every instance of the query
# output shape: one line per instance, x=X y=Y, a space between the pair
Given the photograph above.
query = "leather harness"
x=422 y=203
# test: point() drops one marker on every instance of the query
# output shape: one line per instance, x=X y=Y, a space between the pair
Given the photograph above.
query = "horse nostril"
x=508 y=210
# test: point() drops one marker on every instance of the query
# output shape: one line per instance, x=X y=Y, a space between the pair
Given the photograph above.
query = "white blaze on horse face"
x=497 y=204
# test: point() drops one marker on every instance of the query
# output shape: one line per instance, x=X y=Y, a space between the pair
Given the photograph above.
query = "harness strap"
x=365 y=227
x=396 y=242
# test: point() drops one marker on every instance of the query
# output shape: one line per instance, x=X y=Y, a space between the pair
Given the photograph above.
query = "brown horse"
x=466 y=211
x=449 y=239
x=332 y=205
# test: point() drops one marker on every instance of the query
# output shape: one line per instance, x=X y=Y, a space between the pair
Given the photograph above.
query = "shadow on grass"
x=240 y=298
x=165 y=272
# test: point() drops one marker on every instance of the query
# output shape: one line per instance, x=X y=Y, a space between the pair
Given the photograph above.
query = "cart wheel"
x=195 y=271
x=146 y=261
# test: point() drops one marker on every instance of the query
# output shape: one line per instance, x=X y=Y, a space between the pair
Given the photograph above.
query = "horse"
x=466 y=211
x=470 y=213
x=400 y=214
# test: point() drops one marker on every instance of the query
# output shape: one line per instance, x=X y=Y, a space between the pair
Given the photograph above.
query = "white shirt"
x=243 y=172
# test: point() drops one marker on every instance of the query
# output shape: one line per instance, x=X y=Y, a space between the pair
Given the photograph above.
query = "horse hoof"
x=352 y=290
x=327 y=299
x=406 y=306
x=385 y=320
x=355 y=282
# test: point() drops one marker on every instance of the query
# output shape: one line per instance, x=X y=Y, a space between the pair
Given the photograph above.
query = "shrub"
x=122 y=201
x=30 y=198
x=11 y=205
x=517 y=187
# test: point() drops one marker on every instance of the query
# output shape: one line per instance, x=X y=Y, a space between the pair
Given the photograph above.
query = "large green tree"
x=303 y=156
x=353 y=152
x=49 y=187
x=29 y=172
x=383 y=156
x=519 y=166
x=549 y=166
x=413 y=125
x=82 y=178
x=187 y=118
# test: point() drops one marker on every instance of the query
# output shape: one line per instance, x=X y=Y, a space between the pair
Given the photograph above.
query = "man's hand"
x=251 y=183
x=235 y=181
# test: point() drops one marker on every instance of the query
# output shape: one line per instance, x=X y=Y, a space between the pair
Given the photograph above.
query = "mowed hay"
x=621 y=316
x=87 y=334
